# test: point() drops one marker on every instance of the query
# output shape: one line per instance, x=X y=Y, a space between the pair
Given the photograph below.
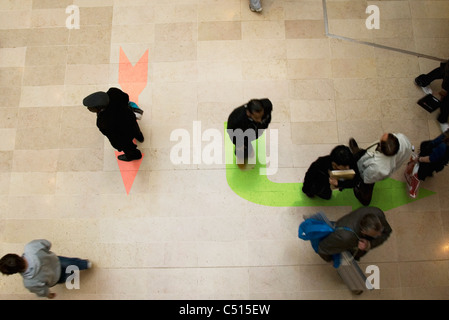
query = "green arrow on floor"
x=255 y=187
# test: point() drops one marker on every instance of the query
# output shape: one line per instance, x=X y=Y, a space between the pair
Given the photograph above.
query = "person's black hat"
x=97 y=99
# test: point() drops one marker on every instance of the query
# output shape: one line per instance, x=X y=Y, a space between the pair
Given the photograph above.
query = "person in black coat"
x=317 y=181
x=116 y=121
x=245 y=124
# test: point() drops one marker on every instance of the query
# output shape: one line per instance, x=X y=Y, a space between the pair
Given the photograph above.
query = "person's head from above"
x=12 y=263
x=97 y=101
x=389 y=144
x=371 y=226
x=341 y=158
x=255 y=110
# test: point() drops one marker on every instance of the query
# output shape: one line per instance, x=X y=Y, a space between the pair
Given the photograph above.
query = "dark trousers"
x=426 y=79
x=67 y=262
x=444 y=111
x=435 y=74
x=244 y=151
x=362 y=191
x=130 y=150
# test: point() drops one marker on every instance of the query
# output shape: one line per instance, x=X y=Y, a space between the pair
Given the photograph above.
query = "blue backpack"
x=315 y=230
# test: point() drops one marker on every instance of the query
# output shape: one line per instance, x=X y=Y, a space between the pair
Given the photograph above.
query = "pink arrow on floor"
x=133 y=80
x=128 y=170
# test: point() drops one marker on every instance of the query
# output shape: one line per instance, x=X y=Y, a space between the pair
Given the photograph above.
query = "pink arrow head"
x=128 y=170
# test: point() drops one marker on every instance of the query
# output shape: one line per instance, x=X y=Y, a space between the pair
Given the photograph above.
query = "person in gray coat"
x=357 y=232
x=40 y=268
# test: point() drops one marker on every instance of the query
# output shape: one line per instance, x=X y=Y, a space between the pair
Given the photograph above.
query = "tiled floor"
x=182 y=232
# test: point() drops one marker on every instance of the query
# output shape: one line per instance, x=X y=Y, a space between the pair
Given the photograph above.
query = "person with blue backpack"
x=357 y=232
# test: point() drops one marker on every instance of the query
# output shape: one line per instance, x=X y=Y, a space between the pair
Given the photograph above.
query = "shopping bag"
x=411 y=176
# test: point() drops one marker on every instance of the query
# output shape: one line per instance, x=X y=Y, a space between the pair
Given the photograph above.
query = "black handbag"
x=429 y=102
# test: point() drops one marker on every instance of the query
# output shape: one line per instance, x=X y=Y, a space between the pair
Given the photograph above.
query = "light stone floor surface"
x=181 y=232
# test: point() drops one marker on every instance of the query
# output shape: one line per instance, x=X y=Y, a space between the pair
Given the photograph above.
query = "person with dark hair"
x=378 y=162
x=357 y=232
x=389 y=145
x=40 y=268
x=317 y=181
x=424 y=80
x=117 y=121
x=247 y=123
x=433 y=157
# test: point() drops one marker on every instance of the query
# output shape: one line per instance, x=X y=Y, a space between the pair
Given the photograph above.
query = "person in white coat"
x=378 y=162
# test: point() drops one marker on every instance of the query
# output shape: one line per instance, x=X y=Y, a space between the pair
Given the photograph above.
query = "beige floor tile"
x=263 y=30
x=48 y=18
x=221 y=50
x=304 y=29
x=15 y=19
x=175 y=12
x=48 y=36
x=175 y=51
x=309 y=68
x=312 y=110
x=41 y=96
x=132 y=15
x=219 y=30
x=8 y=139
x=219 y=11
x=44 y=76
x=12 y=57
x=87 y=74
x=176 y=31
x=308 y=49
x=11 y=77
x=88 y=54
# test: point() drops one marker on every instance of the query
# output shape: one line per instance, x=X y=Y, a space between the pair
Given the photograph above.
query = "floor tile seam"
x=372 y=44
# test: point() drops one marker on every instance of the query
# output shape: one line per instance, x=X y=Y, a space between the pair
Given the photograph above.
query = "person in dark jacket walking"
x=317 y=181
x=368 y=229
x=117 y=121
x=247 y=123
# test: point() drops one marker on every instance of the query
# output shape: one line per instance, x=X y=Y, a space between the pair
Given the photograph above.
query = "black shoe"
x=123 y=157
x=419 y=81
x=140 y=138
x=353 y=146
x=357 y=292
